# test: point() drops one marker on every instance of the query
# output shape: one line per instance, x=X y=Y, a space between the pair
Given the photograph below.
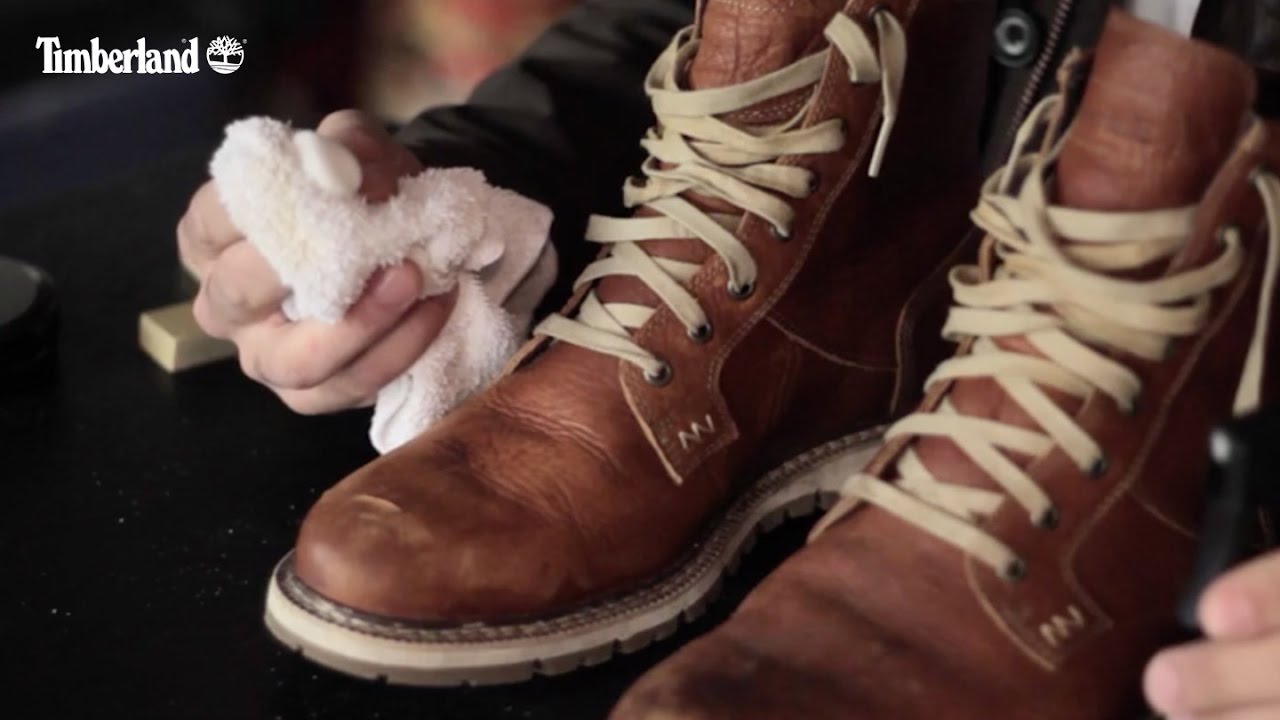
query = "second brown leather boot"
x=733 y=355
x=1017 y=549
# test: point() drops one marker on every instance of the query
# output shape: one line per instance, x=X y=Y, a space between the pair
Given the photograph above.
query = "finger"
x=1245 y=602
x=302 y=355
x=383 y=161
x=240 y=289
x=1256 y=712
x=357 y=385
x=1215 y=676
x=205 y=230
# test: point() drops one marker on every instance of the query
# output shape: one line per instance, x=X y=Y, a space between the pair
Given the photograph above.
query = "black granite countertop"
x=140 y=513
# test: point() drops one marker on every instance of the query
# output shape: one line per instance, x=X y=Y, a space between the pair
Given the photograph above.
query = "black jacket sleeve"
x=562 y=123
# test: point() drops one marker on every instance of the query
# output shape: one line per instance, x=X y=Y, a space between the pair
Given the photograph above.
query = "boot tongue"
x=739 y=41
x=1159 y=116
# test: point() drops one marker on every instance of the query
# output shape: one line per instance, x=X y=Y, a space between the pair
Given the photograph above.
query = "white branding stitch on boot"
x=1059 y=629
x=696 y=431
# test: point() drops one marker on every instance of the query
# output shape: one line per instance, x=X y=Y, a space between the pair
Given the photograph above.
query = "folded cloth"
x=294 y=196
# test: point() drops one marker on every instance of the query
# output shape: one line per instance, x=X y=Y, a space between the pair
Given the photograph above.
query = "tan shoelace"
x=1063 y=302
x=691 y=150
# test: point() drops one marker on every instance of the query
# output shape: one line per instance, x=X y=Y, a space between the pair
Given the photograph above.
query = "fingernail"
x=330 y=166
x=1163 y=684
x=394 y=289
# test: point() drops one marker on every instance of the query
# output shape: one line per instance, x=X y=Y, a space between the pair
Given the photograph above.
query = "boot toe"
x=356 y=550
x=441 y=549
x=720 y=677
x=697 y=683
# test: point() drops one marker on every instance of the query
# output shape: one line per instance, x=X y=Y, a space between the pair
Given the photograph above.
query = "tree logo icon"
x=224 y=55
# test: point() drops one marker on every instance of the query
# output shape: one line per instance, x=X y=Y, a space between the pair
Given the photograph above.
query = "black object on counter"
x=1243 y=491
x=1250 y=28
x=28 y=322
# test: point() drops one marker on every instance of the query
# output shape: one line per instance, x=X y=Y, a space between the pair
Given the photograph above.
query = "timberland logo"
x=224 y=55
x=1060 y=628
x=696 y=431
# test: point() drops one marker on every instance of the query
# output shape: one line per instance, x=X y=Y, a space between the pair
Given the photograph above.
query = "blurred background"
x=302 y=59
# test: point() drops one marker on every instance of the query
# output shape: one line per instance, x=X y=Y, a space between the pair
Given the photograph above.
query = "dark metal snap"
x=1017 y=38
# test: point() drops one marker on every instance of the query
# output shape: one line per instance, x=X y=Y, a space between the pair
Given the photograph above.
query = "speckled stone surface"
x=140 y=513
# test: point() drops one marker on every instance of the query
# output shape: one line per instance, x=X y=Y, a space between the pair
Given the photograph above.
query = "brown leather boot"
x=726 y=363
x=1016 y=550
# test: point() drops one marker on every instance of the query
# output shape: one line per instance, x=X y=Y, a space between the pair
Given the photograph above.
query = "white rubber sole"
x=406 y=653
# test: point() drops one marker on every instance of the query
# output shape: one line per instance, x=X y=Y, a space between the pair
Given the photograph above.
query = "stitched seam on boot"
x=908 y=320
x=641 y=409
x=1161 y=418
x=1122 y=489
x=795 y=337
x=1103 y=624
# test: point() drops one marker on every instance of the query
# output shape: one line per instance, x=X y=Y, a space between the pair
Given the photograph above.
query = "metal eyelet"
x=1049 y=519
x=1099 y=467
x=700 y=333
x=660 y=377
x=779 y=234
x=1133 y=409
x=879 y=8
x=815 y=181
x=741 y=292
x=1015 y=571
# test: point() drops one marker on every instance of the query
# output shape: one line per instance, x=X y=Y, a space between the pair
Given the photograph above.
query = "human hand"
x=1235 y=673
x=314 y=367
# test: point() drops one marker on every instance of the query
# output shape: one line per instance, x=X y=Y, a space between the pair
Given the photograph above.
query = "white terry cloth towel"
x=294 y=196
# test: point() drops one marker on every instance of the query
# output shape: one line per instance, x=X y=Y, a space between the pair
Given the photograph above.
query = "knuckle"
x=206 y=317
x=426 y=322
x=302 y=403
x=249 y=365
x=368 y=377
x=205 y=198
x=362 y=381
x=230 y=295
x=436 y=314
x=183 y=232
x=300 y=371
x=188 y=232
x=1203 y=671
x=193 y=220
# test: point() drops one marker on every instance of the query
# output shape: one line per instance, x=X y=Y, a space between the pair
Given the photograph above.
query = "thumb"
x=383 y=161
